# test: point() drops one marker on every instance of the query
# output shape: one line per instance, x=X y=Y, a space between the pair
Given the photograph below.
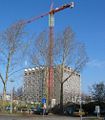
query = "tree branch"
x=2 y=78
x=16 y=71
x=74 y=71
x=7 y=67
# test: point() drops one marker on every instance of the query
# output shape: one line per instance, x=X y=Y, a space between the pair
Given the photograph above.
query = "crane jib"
x=53 y=11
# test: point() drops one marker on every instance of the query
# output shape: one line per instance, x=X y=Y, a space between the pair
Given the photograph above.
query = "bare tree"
x=19 y=93
x=39 y=53
x=69 y=53
x=66 y=52
x=86 y=98
x=98 y=92
x=39 y=57
x=12 y=45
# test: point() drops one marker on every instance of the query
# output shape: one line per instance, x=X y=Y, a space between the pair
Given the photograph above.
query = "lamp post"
x=11 y=104
x=80 y=98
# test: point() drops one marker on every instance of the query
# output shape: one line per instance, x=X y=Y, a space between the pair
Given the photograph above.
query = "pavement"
x=42 y=117
x=36 y=117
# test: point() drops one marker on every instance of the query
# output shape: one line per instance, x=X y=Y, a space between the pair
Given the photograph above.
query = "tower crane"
x=52 y=11
x=51 y=26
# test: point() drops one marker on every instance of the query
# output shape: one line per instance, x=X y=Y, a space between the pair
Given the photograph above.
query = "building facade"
x=36 y=84
x=71 y=87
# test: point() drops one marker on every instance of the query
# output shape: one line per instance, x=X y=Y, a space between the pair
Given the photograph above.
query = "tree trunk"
x=4 y=96
x=61 y=98
x=61 y=89
x=4 y=93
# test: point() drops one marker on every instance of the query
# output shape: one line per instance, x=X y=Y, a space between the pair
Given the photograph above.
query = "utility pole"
x=80 y=98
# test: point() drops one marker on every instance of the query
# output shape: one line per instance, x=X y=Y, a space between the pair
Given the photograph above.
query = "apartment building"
x=71 y=87
x=36 y=84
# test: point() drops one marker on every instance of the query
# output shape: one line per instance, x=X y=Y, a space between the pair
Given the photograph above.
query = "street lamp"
x=80 y=98
x=11 y=105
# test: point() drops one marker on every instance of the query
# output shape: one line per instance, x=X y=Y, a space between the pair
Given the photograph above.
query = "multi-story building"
x=36 y=84
x=71 y=86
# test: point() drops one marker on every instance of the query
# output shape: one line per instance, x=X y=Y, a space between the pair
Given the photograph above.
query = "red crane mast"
x=51 y=41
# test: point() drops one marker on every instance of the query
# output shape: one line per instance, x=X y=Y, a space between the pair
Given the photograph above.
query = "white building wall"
x=71 y=88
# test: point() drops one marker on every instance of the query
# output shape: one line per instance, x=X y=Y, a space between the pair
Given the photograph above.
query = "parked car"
x=40 y=111
x=8 y=108
x=102 y=112
x=79 y=112
x=68 y=110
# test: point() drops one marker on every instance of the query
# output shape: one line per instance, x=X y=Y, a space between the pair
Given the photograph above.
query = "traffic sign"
x=97 y=109
x=43 y=100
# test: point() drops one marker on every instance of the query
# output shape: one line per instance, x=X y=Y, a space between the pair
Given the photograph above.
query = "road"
x=49 y=117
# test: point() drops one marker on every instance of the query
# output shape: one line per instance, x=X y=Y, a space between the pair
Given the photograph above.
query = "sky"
x=87 y=20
